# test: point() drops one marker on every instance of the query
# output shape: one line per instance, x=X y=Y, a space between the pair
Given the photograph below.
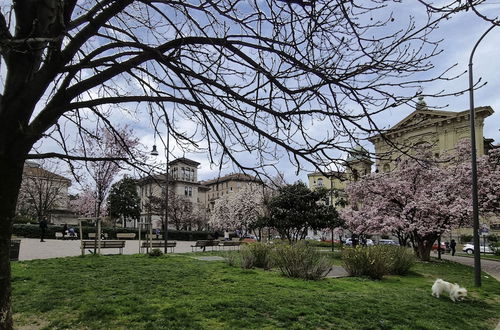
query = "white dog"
x=454 y=290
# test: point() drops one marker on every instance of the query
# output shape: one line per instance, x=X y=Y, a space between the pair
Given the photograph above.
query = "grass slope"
x=178 y=292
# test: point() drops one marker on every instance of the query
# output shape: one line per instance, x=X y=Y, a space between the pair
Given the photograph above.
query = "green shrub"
x=155 y=253
x=232 y=258
x=247 y=258
x=301 y=261
x=493 y=238
x=400 y=259
x=257 y=253
x=465 y=238
x=373 y=261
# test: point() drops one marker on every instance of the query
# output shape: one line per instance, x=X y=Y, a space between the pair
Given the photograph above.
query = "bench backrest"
x=159 y=244
x=125 y=235
x=104 y=244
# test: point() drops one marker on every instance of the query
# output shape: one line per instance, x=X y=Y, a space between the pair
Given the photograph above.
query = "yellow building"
x=357 y=165
x=441 y=129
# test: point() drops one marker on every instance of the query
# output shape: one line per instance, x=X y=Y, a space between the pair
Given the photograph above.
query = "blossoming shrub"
x=373 y=262
x=301 y=261
x=256 y=255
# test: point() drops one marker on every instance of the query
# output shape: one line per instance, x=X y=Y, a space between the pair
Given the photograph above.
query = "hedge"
x=33 y=231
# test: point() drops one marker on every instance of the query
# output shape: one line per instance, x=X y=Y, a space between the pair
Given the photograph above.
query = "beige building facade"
x=442 y=130
x=44 y=193
x=182 y=181
x=223 y=186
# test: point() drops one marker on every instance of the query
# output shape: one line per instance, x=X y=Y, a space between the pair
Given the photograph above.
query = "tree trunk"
x=423 y=250
x=10 y=177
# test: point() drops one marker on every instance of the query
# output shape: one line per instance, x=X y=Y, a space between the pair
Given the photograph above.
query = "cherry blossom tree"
x=85 y=204
x=238 y=210
x=422 y=198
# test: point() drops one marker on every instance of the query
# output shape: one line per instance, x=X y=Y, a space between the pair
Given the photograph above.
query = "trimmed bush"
x=373 y=261
x=301 y=261
x=256 y=255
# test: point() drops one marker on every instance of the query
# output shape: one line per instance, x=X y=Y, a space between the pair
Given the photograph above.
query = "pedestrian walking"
x=453 y=246
x=43 y=228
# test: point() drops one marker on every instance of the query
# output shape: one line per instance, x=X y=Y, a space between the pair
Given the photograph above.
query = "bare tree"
x=249 y=76
x=42 y=191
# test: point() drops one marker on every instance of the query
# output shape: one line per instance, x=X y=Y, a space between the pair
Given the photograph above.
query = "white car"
x=387 y=242
x=469 y=248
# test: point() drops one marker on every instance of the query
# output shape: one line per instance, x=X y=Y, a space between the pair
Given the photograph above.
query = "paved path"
x=34 y=249
x=488 y=266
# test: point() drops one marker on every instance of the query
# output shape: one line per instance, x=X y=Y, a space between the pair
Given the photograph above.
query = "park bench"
x=92 y=244
x=159 y=244
x=202 y=244
x=125 y=235
x=229 y=243
x=92 y=235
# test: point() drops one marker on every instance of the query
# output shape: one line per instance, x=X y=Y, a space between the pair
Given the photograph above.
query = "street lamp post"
x=154 y=152
x=475 y=207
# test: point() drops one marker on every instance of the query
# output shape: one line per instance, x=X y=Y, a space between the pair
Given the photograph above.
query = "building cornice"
x=441 y=118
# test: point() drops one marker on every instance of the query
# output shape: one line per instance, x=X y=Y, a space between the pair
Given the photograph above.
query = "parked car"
x=435 y=247
x=348 y=241
x=387 y=242
x=469 y=248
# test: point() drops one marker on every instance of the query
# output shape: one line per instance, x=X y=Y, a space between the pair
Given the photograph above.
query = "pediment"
x=422 y=118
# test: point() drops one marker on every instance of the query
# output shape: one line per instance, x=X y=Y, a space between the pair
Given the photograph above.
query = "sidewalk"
x=32 y=248
x=488 y=266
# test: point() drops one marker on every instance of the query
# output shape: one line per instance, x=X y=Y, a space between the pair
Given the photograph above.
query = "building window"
x=190 y=190
x=186 y=190
x=320 y=182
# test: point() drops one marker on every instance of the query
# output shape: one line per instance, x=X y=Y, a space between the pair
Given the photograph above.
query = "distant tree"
x=238 y=210
x=84 y=204
x=181 y=212
x=123 y=200
x=42 y=190
x=296 y=208
x=422 y=198
x=101 y=174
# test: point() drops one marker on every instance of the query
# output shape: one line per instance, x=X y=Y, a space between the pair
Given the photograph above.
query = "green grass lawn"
x=178 y=292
